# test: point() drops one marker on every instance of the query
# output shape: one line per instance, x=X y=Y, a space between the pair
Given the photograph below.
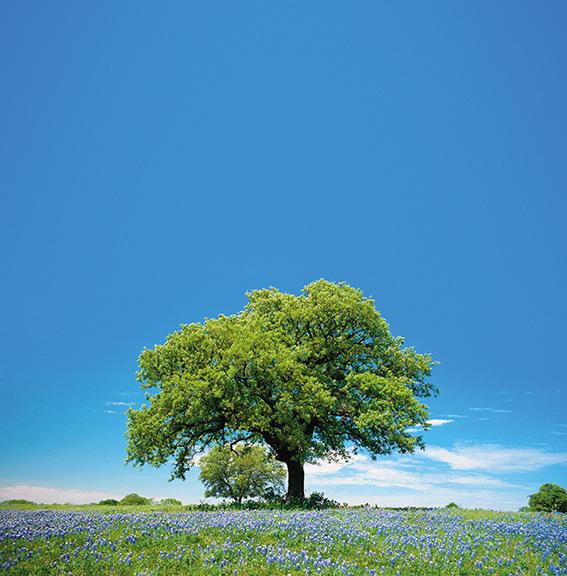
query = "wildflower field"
x=336 y=541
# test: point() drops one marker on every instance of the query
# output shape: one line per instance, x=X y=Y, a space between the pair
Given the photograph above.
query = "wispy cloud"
x=434 y=422
x=395 y=483
x=47 y=495
x=471 y=476
x=119 y=403
x=494 y=458
x=481 y=498
x=323 y=467
x=439 y=422
x=493 y=410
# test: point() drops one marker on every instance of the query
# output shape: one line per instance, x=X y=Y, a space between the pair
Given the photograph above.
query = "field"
x=338 y=541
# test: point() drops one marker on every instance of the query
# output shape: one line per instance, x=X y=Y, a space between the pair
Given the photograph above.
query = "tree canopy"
x=241 y=471
x=549 y=498
x=313 y=376
x=109 y=502
x=170 y=502
x=135 y=500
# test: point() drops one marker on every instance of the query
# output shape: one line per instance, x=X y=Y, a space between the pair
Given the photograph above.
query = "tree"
x=109 y=502
x=313 y=376
x=549 y=498
x=171 y=502
x=135 y=500
x=239 y=472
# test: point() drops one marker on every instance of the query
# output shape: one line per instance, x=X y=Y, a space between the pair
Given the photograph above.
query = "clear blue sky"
x=158 y=160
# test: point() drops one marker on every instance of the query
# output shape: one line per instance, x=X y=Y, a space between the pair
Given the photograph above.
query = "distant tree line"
x=137 y=500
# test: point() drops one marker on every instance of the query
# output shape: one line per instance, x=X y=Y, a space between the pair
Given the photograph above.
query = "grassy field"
x=57 y=540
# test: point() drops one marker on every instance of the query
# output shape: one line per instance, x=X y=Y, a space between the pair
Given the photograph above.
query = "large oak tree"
x=312 y=376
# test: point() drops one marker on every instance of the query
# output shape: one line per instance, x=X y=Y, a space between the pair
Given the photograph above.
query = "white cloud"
x=419 y=480
x=479 y=481
x=46 y=495
x=439 y=422
x=389 y=474
x=323 y=467
x=487 y=499
x=493 y=410
x=433 y=423
x=494 y=458
x=119 y=403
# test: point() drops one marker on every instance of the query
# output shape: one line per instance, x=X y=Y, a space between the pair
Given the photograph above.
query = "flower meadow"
x=338 y=541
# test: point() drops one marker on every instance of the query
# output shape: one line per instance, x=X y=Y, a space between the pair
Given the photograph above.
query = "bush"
x=318 y=500
x=109 y=502
x=135 y=500
x=315 y=501
x=549 y=498
x=452 y=505
x=171 y=502
x=17 y=501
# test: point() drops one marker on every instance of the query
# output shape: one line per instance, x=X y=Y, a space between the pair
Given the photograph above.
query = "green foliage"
x=311 y=376
x=549 y=498
x=16 y=501
x=108 y=502
x=171 y=502
x=239 y=472
x=135 y=500
x=315 y=501
x=452 y=505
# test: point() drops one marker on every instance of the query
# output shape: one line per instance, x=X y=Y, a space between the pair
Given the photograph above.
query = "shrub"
x=135 y=500
x=315 y=501
x=109 y=502
x=452 y=505
x=171 y=502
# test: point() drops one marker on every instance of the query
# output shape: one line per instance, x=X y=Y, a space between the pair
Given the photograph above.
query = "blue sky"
x=159 y=161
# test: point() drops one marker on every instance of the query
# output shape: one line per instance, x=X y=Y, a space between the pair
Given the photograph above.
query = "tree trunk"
x=295 y=480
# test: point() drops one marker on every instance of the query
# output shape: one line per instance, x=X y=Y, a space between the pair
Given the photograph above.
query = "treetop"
x=309 y=376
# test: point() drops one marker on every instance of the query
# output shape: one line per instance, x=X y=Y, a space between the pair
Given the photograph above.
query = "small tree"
x=549 y=498
x=171 y=502
x=240 y=472
x=135 y=500
x=108 y=502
